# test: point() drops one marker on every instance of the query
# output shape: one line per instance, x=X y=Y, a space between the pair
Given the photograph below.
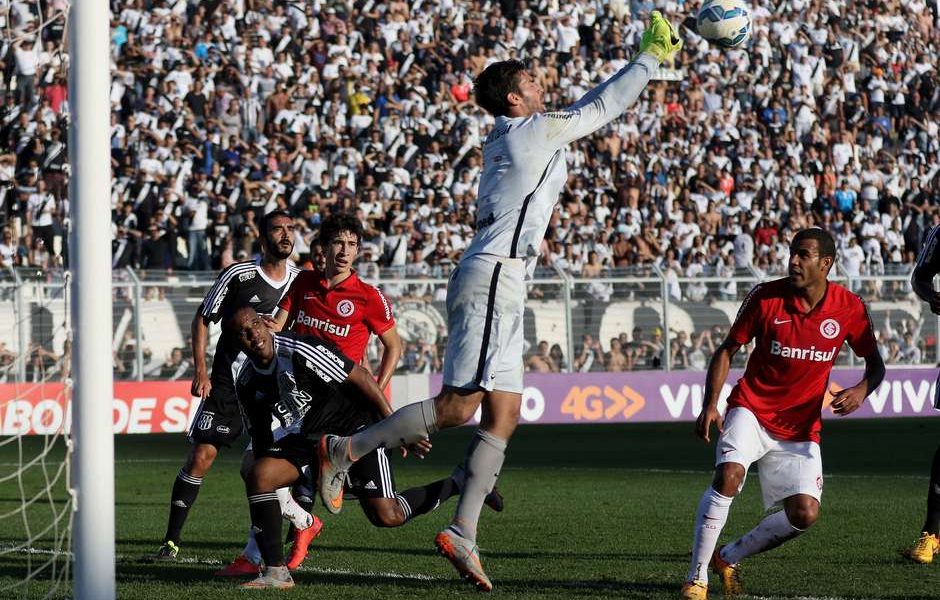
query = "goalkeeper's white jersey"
x=524 y=166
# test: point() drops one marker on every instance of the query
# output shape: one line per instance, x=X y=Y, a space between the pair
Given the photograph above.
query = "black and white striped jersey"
x=302 y=389
x=241 y=284
x=927 y=266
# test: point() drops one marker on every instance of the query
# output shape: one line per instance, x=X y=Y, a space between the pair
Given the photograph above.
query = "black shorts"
x=219 y=418
x=371 y=476
x=298 y=449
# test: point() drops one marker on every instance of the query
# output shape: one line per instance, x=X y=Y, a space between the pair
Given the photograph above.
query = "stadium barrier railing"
x=650 y=310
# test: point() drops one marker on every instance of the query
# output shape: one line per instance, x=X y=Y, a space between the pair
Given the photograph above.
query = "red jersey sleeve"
x=861 y=334
x=296 y=289
x=379 y=317
x=745 y=324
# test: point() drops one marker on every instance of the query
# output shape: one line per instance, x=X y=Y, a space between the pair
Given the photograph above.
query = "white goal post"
x=92 y=485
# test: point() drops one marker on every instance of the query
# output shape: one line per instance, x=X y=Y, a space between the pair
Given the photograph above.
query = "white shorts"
x=785 y=468
x=485 y=303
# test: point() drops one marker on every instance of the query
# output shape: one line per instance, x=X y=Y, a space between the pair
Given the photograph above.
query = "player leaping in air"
x=798 y=325
x=524 y=171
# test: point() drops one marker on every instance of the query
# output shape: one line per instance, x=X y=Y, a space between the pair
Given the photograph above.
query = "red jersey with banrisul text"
x=345 y=315
x=787 y=374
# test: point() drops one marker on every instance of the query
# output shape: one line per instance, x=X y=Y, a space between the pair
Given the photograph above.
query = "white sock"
x=292 y=511
x=252 y=552
x=709 y=520
x=772 y=531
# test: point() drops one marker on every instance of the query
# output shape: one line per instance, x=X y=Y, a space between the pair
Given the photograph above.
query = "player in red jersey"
x=774 y=412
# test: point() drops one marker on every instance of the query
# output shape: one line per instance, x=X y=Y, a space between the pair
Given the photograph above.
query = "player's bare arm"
x=847 y=401
x=200 y=333
x=367 y=386
x=278 y=321
x=717 y=374
x=391 y=342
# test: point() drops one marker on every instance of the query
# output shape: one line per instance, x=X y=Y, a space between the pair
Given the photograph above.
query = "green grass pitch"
x=592 y=512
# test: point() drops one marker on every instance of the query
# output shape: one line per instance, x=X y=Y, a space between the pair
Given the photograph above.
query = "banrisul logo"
x=811 y=353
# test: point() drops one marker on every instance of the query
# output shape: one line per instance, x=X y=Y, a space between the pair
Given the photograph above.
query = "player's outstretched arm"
x=202 y=385
x=717 y=374
x=610 y=99
x=847 y=401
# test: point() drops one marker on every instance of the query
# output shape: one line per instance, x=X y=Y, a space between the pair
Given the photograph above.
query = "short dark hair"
x=331 y=226
x=827 y=245
x=495 y=83
x=269 y=217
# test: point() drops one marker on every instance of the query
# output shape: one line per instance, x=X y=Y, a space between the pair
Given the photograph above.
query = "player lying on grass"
x=798 y=324
x=311 y=388
x=524 y=171
x=928 y=265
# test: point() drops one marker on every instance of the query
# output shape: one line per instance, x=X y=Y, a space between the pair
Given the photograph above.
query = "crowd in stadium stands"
x=222 y=111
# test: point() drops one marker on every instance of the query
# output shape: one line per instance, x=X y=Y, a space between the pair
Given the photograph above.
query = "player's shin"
x=266 y=525
x=710 y=519
x=406 y=425
x=422 y=500
x=772 y=531
x=485 y=457
x=185 y=490
x=932 y=522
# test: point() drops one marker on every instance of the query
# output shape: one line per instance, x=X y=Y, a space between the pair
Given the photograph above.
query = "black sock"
x=932 y=524
x=306 y=503
x=185 y=490
x=266 y=523
x=424 y=499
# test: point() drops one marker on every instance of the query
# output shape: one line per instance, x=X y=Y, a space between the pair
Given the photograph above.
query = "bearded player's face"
x=279 y=238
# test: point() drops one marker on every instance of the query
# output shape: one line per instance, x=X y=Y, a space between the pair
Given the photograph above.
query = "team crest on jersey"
x=205 y=421
x=345 y=308
x=829 y=329
x=246 y=276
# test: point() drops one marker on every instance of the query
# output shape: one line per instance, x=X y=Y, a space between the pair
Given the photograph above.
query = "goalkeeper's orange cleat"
x=240 y=567
x=301 y=544
x=465 y=556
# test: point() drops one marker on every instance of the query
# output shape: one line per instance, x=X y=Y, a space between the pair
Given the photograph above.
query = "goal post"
x=92 y=485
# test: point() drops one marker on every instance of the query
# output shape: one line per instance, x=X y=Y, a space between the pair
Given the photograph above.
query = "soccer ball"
x=725 y=22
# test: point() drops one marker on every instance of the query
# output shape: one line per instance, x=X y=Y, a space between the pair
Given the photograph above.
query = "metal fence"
x=644 y=318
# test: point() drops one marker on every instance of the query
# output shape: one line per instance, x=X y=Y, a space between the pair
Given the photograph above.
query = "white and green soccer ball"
x=725 y=22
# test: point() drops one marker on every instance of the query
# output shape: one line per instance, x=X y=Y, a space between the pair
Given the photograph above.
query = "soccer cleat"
x=301 y=543
x=494 y=500
x=729 y=574
x=167 y=552
x=465 y=556
x=273 y=578
x=660 y=39
x=924 y=549
x=240 y=567
x=333 y=466
x=694 y=590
